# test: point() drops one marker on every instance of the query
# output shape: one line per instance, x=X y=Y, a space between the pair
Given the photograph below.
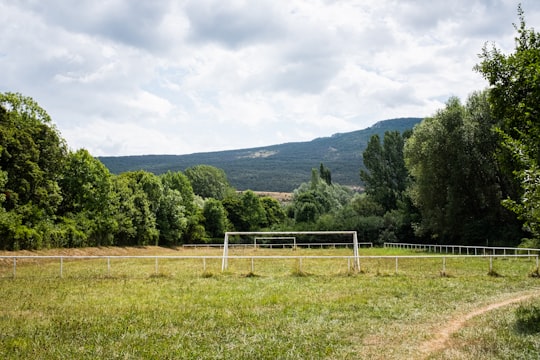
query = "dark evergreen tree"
x=386 y=177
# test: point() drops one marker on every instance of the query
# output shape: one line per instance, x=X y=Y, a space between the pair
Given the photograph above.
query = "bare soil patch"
x=279 y=196
x=98 y=251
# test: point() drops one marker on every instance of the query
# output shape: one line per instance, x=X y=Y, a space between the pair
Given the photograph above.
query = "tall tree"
x=386 y=176
x=273 y=210
x=456 y=182
x=215 y=218
x=171 y=219
x=208 y=181
x=514 y=81
x=86 y=186
x=254 y=214
x=32 y=153
x=136 y=201
x=180 y=182
x=313 y=199
x=325 y=174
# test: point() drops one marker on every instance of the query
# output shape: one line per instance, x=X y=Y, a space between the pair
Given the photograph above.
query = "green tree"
x=325 y=174
x=171 y=219
x=208 y=181
x=364 y=205
x=309 y=205
x=136 y=200
x=32 y=153
x=86 y=186
x=313 y=199
x=245 y=211
x=514 y=81
x=254 y=215
x=386 y=176
x=273 y=210
x=527 y=207
x=456 y=180
x=215 y=218
x=514 y=90
x=233 y=206
x=180 y=182
x=179 y=220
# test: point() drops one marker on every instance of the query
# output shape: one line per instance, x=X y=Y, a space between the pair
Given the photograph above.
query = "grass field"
x=277 y=309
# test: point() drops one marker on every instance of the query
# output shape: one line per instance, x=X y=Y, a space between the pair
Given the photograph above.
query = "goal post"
x=225 y=264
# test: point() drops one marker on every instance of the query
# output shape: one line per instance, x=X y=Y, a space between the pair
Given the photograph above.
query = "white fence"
x=311 y=245
x=350 y=260
x=463 y=250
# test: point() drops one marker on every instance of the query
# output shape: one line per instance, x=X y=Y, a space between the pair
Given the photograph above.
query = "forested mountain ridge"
x=280 y=167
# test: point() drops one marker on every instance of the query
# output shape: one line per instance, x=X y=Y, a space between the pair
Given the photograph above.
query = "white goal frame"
x=225 y=262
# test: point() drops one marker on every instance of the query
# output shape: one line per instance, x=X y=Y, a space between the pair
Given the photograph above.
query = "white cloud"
x=122 y=78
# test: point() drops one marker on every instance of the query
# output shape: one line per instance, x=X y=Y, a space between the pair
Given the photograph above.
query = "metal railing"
x=311 y=245
x=351 y=260
x=464 y=249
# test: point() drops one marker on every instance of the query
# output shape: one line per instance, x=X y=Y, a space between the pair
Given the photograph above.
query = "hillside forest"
x=469 y=174
x=262 y=168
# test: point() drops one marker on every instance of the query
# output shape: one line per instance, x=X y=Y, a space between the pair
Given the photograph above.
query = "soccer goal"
x=288 y=234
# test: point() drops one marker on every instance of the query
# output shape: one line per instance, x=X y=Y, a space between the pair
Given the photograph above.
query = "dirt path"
x=443 y=334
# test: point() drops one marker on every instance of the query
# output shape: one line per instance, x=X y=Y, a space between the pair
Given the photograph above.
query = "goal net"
x=286 y=235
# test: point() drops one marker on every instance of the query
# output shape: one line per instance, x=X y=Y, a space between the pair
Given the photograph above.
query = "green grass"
x=496 y=335
x=277 y=311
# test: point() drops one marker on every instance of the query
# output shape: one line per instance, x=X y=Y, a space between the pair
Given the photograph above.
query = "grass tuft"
x=207 y=274
x=528 y=319
x=535 y=273
x=445 y=274
x=160 y=275
x=300 y=273
x=494 y=273
x=251 y=275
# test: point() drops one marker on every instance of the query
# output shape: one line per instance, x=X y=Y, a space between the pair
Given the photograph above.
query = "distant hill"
x=280 y=167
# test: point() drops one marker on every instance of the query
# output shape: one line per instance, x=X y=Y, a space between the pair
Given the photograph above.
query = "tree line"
x=468 y=174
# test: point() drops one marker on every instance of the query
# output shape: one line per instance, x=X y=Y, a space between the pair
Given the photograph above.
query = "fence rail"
x=204 y=258
x=311 y=245
x=464 y=249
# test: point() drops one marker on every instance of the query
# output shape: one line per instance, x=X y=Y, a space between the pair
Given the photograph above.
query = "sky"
x=124 y=77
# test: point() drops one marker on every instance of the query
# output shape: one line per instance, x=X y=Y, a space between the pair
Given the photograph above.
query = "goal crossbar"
x=225 y=264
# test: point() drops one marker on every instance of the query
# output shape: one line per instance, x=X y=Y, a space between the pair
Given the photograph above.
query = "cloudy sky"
x=126 y=77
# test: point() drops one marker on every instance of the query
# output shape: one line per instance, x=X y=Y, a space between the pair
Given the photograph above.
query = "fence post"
x=156 y=265
x=444 y=265
x=204 y=264
x=491 y=264
x=252 y=265
x=15 y=267
x=61 y=266
x=108 y=266
x=396 y=264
